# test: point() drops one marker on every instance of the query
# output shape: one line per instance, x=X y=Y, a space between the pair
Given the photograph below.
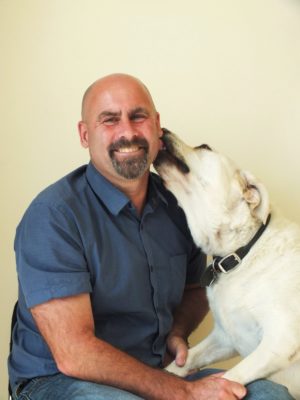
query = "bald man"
x=109 y=275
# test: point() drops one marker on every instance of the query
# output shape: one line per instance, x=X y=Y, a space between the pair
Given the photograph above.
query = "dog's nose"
x=203 y=146
x=163 y=138
x=165 y=131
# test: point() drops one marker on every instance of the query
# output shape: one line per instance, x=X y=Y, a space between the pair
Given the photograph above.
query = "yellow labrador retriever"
x=253 y=283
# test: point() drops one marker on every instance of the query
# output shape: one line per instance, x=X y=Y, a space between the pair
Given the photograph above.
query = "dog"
x=253 y=283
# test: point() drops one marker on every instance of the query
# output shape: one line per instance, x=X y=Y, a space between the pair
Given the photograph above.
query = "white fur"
x=256 y=306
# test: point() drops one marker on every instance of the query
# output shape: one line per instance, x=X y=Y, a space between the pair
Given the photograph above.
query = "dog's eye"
x=251 y=186
x=203 y=146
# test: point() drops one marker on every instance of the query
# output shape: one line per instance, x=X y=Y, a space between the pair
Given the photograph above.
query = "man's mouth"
x=125 y=147
x=131 y=149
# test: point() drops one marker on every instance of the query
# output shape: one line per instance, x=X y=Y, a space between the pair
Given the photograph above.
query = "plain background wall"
x=224 y=72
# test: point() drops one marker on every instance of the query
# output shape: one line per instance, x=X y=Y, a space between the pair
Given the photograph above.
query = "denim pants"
x=61 y=387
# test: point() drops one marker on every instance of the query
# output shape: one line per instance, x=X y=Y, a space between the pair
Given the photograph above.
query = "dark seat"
x=13 y=322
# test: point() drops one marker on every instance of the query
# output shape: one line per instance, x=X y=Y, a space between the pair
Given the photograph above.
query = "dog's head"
x=217 y=197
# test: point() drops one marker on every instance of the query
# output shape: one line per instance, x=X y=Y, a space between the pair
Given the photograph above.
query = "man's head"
x=120 y=126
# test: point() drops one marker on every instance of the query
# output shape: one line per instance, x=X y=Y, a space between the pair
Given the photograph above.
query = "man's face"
x=121 y=129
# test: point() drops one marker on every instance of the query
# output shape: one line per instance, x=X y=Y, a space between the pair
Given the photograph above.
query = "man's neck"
x=136 y=191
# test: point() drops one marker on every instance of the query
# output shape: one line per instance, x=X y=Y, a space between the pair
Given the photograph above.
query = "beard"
x=132 y=167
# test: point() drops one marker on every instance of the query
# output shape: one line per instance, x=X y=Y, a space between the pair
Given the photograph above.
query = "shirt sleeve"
x=196 y=265
x=50 y=257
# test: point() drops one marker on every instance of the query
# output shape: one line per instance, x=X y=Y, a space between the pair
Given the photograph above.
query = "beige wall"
x=222 y=72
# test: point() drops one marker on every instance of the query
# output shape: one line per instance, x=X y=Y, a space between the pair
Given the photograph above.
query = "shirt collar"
x=113 y=198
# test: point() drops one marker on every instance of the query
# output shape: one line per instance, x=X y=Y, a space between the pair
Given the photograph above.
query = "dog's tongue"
x=162 y=145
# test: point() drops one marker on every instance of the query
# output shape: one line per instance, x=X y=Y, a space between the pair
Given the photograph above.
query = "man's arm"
x=189 y=314
x=68 y=328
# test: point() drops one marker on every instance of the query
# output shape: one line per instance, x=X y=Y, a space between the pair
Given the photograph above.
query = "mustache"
x=122 y=142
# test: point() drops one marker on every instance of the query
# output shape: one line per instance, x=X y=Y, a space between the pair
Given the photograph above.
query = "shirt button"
x=151 y=268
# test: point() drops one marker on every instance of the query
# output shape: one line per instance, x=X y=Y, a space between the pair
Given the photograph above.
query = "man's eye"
x=110 y=121
x=139 y=117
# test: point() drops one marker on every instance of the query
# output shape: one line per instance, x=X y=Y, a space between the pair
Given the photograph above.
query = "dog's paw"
x=233 y=375
x=174 y=369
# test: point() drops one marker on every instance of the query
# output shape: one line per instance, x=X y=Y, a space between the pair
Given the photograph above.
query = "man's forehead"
x=117 y=88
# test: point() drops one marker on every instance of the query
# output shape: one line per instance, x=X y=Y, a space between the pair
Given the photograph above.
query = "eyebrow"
x=131 y=113
x=105 y=114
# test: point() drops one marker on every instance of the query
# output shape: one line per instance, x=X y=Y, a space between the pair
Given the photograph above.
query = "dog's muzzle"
x=168 y=154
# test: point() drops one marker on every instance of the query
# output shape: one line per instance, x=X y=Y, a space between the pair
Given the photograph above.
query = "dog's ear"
x=256 y=195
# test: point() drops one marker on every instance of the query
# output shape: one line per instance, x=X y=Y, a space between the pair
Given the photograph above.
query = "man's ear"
x=159 y=130
x=256 y=195
x=83 y=134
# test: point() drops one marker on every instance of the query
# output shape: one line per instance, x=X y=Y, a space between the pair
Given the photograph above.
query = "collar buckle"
x=231 y=259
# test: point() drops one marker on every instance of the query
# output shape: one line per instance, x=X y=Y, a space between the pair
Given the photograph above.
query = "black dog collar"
x=227 y=263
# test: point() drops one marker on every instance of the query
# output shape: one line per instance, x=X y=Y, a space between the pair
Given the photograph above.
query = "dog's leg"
x=213 y=348
x=268 y=358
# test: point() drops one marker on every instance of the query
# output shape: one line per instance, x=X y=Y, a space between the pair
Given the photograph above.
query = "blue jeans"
x=61 y=387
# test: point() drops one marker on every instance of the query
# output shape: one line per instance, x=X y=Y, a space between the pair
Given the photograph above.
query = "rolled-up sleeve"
x=49 y=254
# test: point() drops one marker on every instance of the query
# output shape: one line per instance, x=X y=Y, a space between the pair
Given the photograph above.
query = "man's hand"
x=188 y=315
x=214 y=387
x=177 y=350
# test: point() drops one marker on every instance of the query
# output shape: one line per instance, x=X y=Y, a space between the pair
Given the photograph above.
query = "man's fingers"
x=239 y=390
x=181 y=352
x=217 y=388
x=236 y=388
x=178 y=346
x=218 y=374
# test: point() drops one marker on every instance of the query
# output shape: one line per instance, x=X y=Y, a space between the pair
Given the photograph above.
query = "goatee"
x=131 y=167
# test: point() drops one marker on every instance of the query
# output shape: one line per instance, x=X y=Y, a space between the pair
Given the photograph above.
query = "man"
x=108 y=271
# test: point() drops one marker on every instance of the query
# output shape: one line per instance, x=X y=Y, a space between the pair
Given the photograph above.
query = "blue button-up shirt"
x=82 y=235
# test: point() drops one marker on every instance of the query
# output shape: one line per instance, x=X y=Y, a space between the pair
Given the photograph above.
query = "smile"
x=131 y=149
x=124 y=148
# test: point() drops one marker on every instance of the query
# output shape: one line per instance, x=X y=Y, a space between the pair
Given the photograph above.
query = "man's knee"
x=267 y=390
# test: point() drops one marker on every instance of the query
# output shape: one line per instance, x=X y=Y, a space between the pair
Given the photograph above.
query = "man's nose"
x=126 y=129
